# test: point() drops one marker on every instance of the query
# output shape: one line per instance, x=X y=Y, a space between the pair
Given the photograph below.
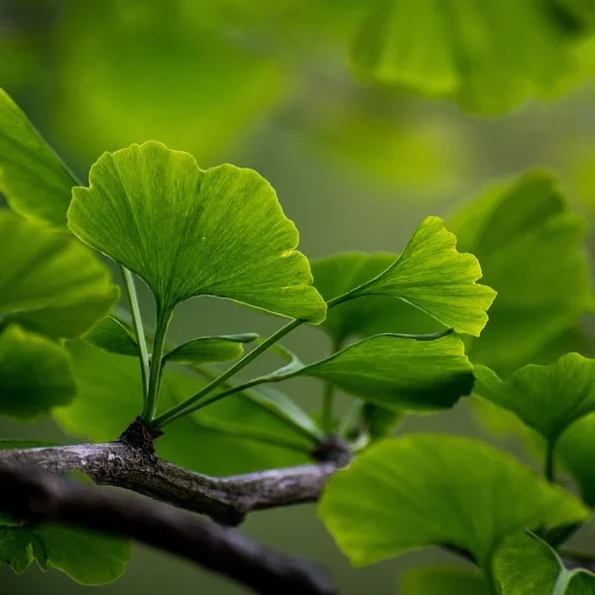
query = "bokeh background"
x=359 y=149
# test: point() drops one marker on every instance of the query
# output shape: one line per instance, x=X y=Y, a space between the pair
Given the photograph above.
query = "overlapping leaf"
x=111 y=334
x=525 y=564
x=49 y=282
x=421 y=490
x=210 y=349
x=531 y=250
x=35 y=374
x=32 y=178
x=490 y=55
x=189 y=232
x=443 y=581
x=396 y=371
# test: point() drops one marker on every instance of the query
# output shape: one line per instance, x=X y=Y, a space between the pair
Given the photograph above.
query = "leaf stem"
x=139 y=330
x=164 y=316
x=187 y=406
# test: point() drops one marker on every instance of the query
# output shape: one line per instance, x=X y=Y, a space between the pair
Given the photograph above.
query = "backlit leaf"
x=210 y=349
x=419 y=490
x=189 y=232
x=110 y=334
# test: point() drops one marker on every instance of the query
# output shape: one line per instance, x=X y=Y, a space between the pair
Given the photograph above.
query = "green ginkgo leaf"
x=491 y=56
x=443 y=581
x=49 y=282
x=524 y=564
x=35 y=374
x=531 y=248
x=433 y=276
x=89 y=558
x=189 y=232
x=399 y=372
x=35 y=182
x=111 y=334
x=546 y=398
x=340 y=273
x=419 y=490
x=210 y=349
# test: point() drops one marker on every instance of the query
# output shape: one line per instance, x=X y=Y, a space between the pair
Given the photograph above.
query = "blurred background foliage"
x=366 y=115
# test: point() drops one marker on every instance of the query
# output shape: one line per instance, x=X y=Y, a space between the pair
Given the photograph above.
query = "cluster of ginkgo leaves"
x=404 y=331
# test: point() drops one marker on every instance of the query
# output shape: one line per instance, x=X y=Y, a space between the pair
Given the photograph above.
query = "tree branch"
x=131 y=463
x=34 y=495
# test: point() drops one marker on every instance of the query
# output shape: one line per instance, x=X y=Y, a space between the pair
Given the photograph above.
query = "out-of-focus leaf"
x=210 y=349
x=418 y=490
x=49 y=282
x=190 y=232
x=110 y=334
x=443 y=581
x=531 y=250
x=235 y=435
x=491 y=56
x=379 y=421
x=398 y=372
x=33 y=179
x=35 y=374
x=525 y=564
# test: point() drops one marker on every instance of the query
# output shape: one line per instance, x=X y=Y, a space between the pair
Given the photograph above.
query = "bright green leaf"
x=546 y=398
x=433 y=276
x=88 y=558
x=35 y=374
x=525 y=564
x=443 y=581
x=110 y=334
x=531 y=249
x=34 y=181
x=210 y=349
x=233 y=436
x=421 y=490
x=189 y=232
x=397 y=372
x=340 y=273
x=491 y=55
x=49 y=282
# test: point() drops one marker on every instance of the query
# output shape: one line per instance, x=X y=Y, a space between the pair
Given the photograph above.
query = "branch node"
x=141 y=437
x=333 y=449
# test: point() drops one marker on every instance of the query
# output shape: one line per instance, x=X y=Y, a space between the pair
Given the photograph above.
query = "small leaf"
x=210 y=349
x=443 y=581
x=49 y=282
x=525 y=564
x=110 y=334
x=399 y=372
x=340 y=273
x=189 y=232
x=433 y=276
x=88 y=558
x=419 y=490
x=531 y=248
x=379 y=421
x=35 y=374
x=546 y=398
x=33 y=179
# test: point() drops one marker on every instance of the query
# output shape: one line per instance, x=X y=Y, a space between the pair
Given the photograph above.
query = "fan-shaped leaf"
x=525 y=564
x=420 y=490
x=111 y=334
x=189 y=232
x=434 y=277
x=49 y=282
x=35 y=374
x=33 y=179
x=210 y=349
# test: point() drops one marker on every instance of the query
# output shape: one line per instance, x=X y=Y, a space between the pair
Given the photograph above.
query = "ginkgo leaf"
x=491 y=56
x=546 y=398
x=35 y=374
x=190 y=232
x=524 y=564
x=35 y=182
x=398 y=372
x=419 y=490
x=111 y=334
x=433 y=276
x=443 y=581
x=233 y=436
x=49 y=282
x=89 y=558
x=531 y=248
x=210 y=349
x=340 y=273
